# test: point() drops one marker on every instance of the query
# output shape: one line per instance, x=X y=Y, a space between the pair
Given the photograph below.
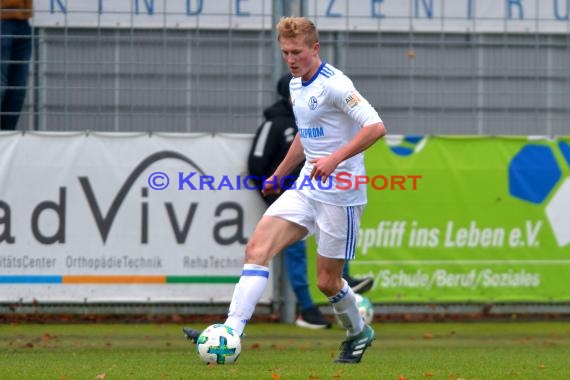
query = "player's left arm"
x=366 y=137
x=372 y=130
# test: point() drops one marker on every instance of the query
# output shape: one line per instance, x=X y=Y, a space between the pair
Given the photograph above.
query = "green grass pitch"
x=508 y=350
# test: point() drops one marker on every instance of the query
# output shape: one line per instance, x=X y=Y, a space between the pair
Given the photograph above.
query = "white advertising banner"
x=543 y=16
x=124 y=217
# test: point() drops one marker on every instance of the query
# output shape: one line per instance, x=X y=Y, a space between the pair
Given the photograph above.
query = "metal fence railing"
x=216 y=74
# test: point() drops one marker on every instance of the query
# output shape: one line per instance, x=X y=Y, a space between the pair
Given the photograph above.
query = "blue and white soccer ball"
x=365 y=309
x=218 y=344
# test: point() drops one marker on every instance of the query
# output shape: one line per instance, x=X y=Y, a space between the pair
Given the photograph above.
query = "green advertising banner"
x=459 y=219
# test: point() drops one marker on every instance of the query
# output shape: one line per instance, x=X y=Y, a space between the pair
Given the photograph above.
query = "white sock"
x=247 y=293
x=344 y=306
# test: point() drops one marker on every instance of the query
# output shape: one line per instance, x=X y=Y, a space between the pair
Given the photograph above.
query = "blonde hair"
x=291 y=27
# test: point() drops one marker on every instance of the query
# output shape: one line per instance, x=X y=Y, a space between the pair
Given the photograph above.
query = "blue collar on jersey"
x=314 y=76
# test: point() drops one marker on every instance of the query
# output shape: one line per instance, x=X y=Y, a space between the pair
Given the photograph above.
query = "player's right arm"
x=295 y=155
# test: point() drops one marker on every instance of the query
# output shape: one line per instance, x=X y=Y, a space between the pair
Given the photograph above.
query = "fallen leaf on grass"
x=275 y=376
x=541 y=366
x=428 y=335
x=338 y=374
x=254 y=346
x=402 y=377
x=47 y=337
x=428 y=374
x=101 y=376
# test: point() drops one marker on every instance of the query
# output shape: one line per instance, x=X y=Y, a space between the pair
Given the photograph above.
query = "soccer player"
x=270 y=145
x=335 y=125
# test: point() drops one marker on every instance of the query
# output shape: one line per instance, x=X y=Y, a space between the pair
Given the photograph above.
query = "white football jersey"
x=329 y=113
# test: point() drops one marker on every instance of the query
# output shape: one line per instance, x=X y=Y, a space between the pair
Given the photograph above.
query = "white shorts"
x=335 y=227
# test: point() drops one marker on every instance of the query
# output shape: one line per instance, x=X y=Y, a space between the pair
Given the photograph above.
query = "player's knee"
x=255 y=253
x=327 y=286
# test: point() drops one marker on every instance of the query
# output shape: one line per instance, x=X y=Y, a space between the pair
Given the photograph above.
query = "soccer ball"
x=365 y=309
x=218 y=344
